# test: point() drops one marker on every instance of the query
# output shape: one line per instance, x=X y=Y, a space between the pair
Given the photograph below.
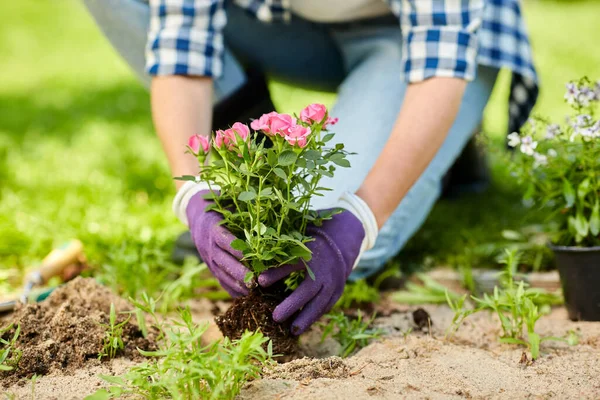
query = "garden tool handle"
x=55 y=262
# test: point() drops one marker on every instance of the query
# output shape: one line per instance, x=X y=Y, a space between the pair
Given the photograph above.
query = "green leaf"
x=272 y=158
x=310 y=273
x=101 y=394
x=583 y=189
x=340 y=160
x=239 y=244
x=279 y=172
x=312 y=155
x=185 y=178
x=247 y=196
x=302 y=252
x=328 y=137
x=244 y=169
x=266 y=192
x=248 y=278
x=568 y=193
x=288 y=157
x=595 y=219
x=581 y=225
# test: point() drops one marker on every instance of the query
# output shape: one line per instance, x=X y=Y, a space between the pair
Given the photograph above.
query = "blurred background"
x=79 y=158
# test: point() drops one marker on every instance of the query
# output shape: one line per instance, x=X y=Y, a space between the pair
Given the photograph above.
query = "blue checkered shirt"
x=441 y=38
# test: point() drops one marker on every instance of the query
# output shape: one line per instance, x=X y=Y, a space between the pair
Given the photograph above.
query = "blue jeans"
x=362 y=60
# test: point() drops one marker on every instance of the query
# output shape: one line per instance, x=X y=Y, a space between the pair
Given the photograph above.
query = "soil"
x=422 y=318
x=65 y=333
x=404 y=364
x=255 y=311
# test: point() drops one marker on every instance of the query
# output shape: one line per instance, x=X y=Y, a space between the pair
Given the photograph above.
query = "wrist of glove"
x=183 y=196
x=357 y=206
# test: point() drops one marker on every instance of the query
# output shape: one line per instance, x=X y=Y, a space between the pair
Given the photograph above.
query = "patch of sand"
x=405 y=365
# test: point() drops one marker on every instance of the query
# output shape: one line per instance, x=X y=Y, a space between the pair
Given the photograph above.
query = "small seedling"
x=515 y=305
x=113 y=337
x=358 y=293
x=351 y=333
x=184 y=368
x=9 y=354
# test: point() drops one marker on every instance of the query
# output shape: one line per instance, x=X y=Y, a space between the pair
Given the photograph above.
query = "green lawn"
x=78 y=156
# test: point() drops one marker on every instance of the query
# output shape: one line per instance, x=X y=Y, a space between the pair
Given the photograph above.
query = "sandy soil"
x=406 y=363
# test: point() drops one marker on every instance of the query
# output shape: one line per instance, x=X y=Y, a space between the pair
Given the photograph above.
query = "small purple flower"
x=552 y=131
x=572 y=93
x=585 y=95
x=597 y=89
x=583 y=120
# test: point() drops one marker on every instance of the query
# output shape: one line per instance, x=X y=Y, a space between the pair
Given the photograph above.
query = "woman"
x=412 y=76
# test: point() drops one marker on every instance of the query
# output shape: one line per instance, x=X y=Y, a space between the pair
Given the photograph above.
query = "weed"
x=351 y=333
x=9 y=354
x=430 y=292
x=358 y=293
x=34 y=379
x=515 y=305
x=113 y=337
x=184 y=368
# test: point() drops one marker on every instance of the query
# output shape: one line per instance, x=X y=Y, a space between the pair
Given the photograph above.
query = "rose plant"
x=559 y=165
x=263 y=178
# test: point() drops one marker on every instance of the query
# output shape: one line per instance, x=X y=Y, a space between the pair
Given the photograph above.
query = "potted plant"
x=264 y=179
x=559 y=164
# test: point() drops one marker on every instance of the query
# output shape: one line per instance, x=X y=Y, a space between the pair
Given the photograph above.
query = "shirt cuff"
x=439 y=52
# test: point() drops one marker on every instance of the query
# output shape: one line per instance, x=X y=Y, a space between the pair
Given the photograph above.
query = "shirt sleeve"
x=185 y=37
x=440 y=38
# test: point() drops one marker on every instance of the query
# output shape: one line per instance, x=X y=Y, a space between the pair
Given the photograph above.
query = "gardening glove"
x=212 y=240
x=336 y=249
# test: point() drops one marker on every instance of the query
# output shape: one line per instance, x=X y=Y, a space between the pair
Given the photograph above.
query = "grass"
x=517 y=306
x=78 y=157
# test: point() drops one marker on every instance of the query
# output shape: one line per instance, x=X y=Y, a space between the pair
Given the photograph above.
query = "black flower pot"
x=579 y=269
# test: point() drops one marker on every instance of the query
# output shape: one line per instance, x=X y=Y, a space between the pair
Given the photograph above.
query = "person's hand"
x=213 y=242
x=335 y=250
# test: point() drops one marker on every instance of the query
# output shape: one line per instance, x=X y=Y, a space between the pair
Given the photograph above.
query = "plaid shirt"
x=442 y=38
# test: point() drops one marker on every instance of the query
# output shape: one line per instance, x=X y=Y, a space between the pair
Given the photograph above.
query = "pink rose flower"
x=298 y=135
x=241 y=129
x=313 y=113
x=281 y=124
x=263 y=123
x=197 y=142
x=228 y=137
x=222 y=139
x=330 y=121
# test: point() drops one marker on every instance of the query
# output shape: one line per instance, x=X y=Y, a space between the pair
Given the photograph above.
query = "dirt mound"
x=64 y=332
x=255 y=311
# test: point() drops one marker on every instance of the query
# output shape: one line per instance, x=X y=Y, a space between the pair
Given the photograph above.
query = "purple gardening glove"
x=214 y=245
x=334 y=251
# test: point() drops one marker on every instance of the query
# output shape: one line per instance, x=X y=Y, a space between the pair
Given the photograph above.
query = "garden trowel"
x=56 y=263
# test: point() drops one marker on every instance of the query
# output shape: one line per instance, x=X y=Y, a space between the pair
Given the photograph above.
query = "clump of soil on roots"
x=64 y=332
x=255 y=311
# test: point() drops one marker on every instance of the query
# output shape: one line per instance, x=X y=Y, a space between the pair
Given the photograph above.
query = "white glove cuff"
x=361 y=210
x=183 y=196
